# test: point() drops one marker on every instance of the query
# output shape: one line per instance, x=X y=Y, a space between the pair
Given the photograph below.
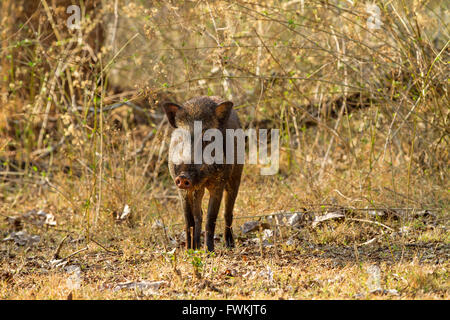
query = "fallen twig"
x=103 y=247
x=367 y=242
x=58 y=250
x=75 y=253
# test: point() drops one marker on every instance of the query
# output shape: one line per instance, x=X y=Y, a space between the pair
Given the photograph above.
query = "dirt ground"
x=352 y=254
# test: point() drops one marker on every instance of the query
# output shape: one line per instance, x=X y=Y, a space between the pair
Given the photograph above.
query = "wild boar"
x=193 y=177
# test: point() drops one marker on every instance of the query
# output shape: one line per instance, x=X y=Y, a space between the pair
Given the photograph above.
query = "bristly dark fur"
x=213 y=112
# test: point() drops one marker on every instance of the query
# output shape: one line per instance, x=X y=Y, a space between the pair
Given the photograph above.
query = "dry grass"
x=364 y=122
x=326 y=262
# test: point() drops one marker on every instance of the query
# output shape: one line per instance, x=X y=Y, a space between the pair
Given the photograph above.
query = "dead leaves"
x=38 y=218
x=22 y=238
x=326 y=217
x=254 y=226
x=314 y=219
x=125 y=215
x=34 y=217
x=144 y=287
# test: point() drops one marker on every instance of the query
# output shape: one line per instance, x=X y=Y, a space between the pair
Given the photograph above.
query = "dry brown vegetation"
x=364 y=123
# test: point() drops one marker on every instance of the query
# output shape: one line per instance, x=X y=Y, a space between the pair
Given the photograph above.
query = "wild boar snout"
x=183 y=182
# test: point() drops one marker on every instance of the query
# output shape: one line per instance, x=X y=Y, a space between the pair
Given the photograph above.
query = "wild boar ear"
x=223 y=110
x=171 y=109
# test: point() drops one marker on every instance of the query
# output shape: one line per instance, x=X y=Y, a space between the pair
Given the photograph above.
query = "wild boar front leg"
x=186 y=202
x=215 y=197
x=198 y=215
x=231 y=191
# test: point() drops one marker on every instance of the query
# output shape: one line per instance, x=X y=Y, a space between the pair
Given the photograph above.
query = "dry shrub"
x=361 y=111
